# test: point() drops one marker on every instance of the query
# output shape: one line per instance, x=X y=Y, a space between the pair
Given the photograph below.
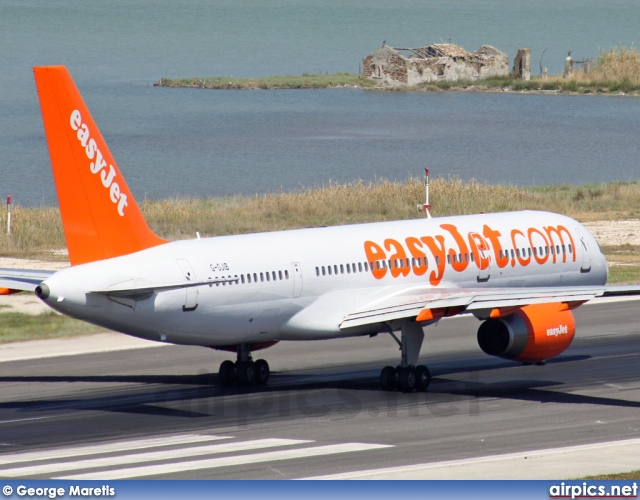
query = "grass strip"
x=37 y=230
x=16 y=327
x=304 y=81
x=622 y=476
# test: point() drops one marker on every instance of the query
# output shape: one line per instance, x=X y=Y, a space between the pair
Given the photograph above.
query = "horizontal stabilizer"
x=22 y=279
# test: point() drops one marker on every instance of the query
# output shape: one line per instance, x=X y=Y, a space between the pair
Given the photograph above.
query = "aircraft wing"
x=22 y=279
x=427 y=304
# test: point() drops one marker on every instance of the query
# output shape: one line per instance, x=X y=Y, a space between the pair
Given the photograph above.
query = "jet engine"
x=531 y=334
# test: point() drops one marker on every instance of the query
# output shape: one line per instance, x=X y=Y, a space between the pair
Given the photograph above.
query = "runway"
x=159 y=413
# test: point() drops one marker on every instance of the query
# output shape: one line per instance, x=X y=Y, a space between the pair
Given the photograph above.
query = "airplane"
x=520 y=273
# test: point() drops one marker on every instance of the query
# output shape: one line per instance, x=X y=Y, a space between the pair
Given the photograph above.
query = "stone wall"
x=434 y=63
x=387 y=66
x=522 y=64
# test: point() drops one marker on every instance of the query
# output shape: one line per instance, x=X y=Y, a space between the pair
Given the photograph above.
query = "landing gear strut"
x=406 y=376
x=244 y=371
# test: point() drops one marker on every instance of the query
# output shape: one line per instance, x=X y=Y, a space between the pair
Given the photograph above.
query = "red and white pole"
x=9 y=214
x=427 y=206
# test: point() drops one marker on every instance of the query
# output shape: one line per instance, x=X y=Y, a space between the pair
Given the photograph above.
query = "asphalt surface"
x=159 y=413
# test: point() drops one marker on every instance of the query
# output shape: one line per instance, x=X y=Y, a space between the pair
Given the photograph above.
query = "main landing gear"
x=406 y=376
x=244 y=371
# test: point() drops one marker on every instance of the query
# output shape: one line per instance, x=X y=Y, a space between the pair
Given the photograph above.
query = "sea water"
x=183 y=142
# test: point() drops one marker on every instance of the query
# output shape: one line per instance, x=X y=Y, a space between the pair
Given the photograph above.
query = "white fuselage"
x=298 y=285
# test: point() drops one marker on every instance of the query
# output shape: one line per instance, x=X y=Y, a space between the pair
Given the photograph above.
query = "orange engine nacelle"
x=531 y=334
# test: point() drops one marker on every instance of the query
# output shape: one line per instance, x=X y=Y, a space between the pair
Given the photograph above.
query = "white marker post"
x=9 y=214
x=427 y=206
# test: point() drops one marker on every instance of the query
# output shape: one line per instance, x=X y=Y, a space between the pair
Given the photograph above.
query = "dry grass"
x=622 y=476
x=615 y=70
x=617 y=64
x=331 y=204
x=38 y=230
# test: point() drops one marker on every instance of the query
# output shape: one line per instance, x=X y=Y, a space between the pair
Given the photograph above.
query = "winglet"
x=99 y=215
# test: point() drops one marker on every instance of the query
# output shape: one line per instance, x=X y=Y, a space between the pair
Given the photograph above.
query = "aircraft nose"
x=43 y=291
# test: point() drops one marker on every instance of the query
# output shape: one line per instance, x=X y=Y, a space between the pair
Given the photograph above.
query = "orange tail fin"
x=99 y=215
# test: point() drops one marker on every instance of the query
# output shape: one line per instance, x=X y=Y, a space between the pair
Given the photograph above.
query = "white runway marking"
x=153 y=456
x=211 y=463
x=137 y=444
x=165 y=459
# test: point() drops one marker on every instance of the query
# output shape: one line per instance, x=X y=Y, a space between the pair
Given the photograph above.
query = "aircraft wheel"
x=388 y=378
x=423 y=377
x=245 y=372
x=407 y=379
x=261 y=368
x=227 y=373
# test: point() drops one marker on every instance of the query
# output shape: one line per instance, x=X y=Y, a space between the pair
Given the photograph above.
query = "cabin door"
x=484 y=255
x=585 y=267
x=191 y=292
x=297 y=279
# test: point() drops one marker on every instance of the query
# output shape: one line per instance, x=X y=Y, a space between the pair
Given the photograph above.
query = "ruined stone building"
x=440 y=61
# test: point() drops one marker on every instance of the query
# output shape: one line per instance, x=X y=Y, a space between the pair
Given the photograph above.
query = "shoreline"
x=505 y=85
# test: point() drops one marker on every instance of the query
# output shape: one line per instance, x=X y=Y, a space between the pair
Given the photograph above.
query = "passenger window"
x=348 y=268
x=366 y=266
x=570 y=249
x=341 y=269
x=323 y=271
x=359 y=267
x=280 y=274
x=249 y=278
x=261 y=277
x=242 y=278
x=286 y=274
x=329 y=269
x=335 y=269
